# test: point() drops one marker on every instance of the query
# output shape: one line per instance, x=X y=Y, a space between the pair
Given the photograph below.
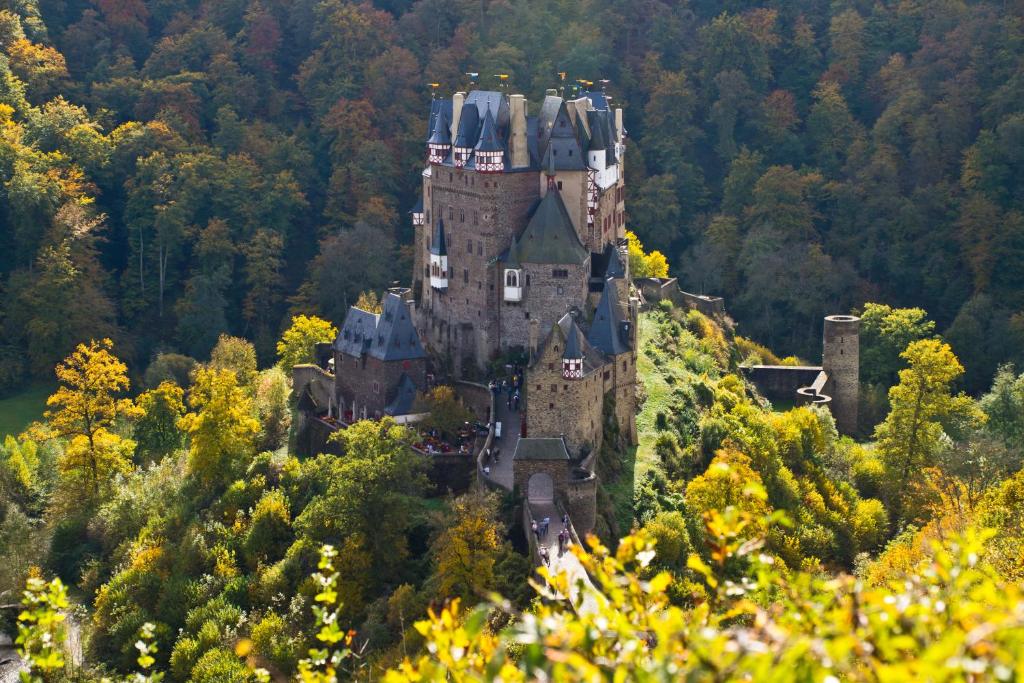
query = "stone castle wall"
x=369 y=382
x=481 y=213
x=556 y=406
x=545 y=299
x=581 y=501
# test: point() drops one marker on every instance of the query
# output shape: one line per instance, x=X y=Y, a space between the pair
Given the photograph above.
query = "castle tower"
x=840 y=358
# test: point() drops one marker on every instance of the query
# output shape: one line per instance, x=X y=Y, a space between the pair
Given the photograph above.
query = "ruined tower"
x=840 y=358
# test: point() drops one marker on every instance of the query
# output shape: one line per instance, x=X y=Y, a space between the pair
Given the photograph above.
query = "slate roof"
x=438 y=243
x=549 y=236
x=418 y=206
x=438 y=107
x=615 y=268
x=439 y=134
x=489 y=141
x=404 y=398
x=387 y=336
x=469 y=127
x=597 y=99
x=605 y=328
x=572 y=342
x=540 y=449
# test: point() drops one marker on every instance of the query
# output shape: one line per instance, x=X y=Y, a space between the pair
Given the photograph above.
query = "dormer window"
x=572 y=368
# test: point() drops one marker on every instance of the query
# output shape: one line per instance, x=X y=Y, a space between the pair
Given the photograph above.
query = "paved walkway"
x=501 y=471
x=567 y=562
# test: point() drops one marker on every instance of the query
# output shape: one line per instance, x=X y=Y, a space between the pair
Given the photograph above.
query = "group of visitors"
x=540 y=532
x=511 y=387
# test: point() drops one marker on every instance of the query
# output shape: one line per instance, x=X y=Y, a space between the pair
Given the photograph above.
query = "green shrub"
x=271 y=529
x=271 y=639
x=870 y=524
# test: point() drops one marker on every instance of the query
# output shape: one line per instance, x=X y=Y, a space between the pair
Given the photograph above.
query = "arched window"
x=511 y=278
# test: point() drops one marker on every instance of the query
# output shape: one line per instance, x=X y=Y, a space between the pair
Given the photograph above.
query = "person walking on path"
x=535 y=530
x=544 y=557
x=565 y=521
x=515 y=400
x=544 y=527
x=561 y=542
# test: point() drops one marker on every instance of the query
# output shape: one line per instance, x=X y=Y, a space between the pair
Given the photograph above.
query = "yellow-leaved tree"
x=467 y=548
x=221 y=427
x=642 y=264
x=83 y=411
x=922 y=407
x=298 y=343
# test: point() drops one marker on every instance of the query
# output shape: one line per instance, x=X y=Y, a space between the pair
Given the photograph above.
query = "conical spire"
x=489 y=141
x=572 y=344
x=440 y=134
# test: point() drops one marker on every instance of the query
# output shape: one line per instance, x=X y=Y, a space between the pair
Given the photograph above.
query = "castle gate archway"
x=540 y=488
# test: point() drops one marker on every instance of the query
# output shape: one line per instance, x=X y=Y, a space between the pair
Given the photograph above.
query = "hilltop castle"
x=521 y=272
x=520 y=253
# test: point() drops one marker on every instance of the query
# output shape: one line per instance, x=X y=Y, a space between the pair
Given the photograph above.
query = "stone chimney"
x=458 y=99
x=618 y=125
x=518 y=151
x=534 y=337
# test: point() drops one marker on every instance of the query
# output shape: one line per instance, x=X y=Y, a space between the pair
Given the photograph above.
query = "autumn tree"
x=156 y=427
x=84 y=409
x=447 y=414
x=885 y=334
x=923 y=410
x=466 y=549
x=221 y=427
x=298 y=343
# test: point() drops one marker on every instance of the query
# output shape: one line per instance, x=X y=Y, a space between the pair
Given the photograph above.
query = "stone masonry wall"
x=370 y=382
x=556 y=406
x=546 y=299
x=581 y=503
x=481 y=213
x=522 y=470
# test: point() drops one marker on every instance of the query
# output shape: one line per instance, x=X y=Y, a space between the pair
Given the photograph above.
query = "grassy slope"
x=663 y=366
x=17 y=411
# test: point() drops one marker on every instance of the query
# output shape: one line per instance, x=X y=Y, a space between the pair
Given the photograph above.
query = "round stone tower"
x=840 y=358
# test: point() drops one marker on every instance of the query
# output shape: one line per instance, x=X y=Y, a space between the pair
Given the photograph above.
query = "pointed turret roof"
x=489 y=141
x=438 y=244
x=572 y=343
x=440 y=134
x=598 y=139
x=469 y=127
x=605 y=329
x=405 y=397
x=549 y=237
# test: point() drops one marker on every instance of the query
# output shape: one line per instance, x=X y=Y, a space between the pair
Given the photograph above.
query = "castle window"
x=376 y=388
x=551 y=406
x=462 y=215
x=565 y=387
x=527 y=312
x=476 y=218
x=607 y=374
x=560 y=273
x=450 y=176
x=451 y=213
x=551 y=366
x=479 y=248
x=469 y=247
x=560 y=292
x=538 y=387
x=554 y=388
x=465 y=276
x=559 y=184
x=570 y=152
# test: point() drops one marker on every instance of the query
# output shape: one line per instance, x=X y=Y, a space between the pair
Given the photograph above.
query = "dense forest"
x=174 y=170
x=192 y=192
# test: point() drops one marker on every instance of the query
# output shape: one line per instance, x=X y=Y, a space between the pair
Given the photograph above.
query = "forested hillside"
x=172 y=170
